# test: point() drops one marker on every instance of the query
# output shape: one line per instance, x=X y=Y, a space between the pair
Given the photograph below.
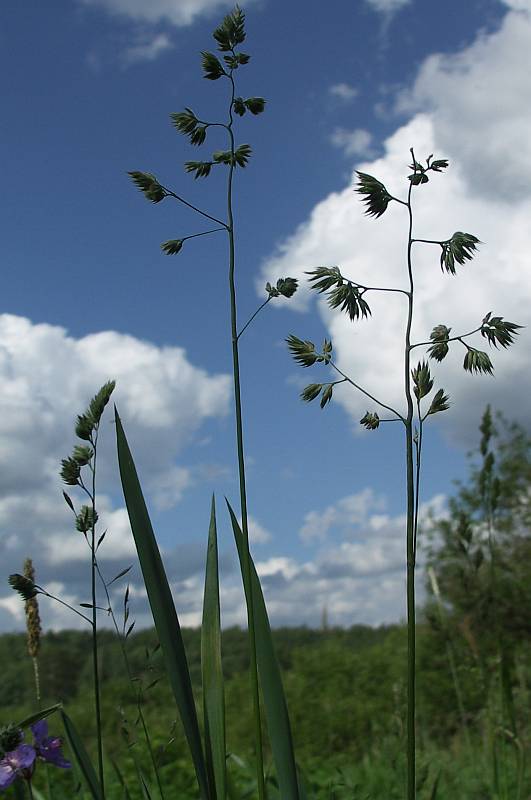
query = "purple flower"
x=17 y=763
x=48 y=748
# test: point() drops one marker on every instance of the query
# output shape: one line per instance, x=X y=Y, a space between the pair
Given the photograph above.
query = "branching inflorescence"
x=228 y=36
x=350 y=296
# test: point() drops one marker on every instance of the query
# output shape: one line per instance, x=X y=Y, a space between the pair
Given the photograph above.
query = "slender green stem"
x=194 y=208
x=121 y=641
x=30 y=790
x=254 y=315
x=374 y=288
x=241 y=466
x=203 y=233
x=365 y=392
x=418 y=447
x=63 y=603
x=410 y=545
x=95 y=665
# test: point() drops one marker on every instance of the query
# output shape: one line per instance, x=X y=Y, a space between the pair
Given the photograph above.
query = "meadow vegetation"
x=435 y=708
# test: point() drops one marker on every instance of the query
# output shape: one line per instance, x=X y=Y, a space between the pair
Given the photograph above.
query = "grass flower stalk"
x=229 y=36
x=349 y=296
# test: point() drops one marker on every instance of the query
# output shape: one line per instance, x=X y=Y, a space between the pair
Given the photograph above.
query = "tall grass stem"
x=241 y=469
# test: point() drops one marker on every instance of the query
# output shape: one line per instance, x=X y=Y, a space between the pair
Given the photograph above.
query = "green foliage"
x=350 y=299
x=498 y=331
x=275 y=706
x=422 y=380
x=77 y=748
x=311 y=391
x=305 y=354
x=162 y=605
x=285 y=287
x=89 y=421
x=24 y=586
x=212 y=669
x=148 y=185
x=439 y=403
x=255 y=105
x=70 y=471
x=458 y=249
x=341 y=292
x=477 y=361
x=86 y=519
x=439 y=335
x=376 y=197
x=314 y=390
x=419 y=175
x=231 y=32
x=370 y=421
x=239 y=106
x=242 y=155
x=201 y=169
x=212 y=67
x=82 y=454
x=172 y=246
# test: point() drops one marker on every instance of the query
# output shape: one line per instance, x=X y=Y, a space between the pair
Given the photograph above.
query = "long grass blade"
x=270 y=680
x=211 y=668
x=38 y=715
x=121 y=779
x=162 y=605
x=77 y=748
x=435 y=787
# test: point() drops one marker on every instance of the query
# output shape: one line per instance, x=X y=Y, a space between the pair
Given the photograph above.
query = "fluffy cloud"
x=47 y=378
x=348 y=511
x=147 y=48
x=485 y=191
x=353 y=143
x=343 y=91
x=176 y=12
x=387 y=6
x=479 y=102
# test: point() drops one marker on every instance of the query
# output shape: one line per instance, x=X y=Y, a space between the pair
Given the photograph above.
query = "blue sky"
x=88 y=296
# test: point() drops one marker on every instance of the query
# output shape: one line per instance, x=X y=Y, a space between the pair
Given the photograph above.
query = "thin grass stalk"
x=125 y=657
x=95 y=666
x=241 y=467
x=410 y=545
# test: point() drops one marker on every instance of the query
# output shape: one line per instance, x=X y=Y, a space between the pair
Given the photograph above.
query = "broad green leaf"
x=270 y=680
x=162 y=605
x=77 y=748
x=211 y=667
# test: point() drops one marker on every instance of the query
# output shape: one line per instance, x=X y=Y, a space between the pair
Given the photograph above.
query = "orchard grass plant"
x=204 y=730
x=349 y=296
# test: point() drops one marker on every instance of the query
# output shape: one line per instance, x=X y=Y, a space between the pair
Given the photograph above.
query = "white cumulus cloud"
x=343 y=91
x=176 y=12
x=147 y=48
x=353 y=143
x=477 y=113
x=387 y=6
x=47 y=378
